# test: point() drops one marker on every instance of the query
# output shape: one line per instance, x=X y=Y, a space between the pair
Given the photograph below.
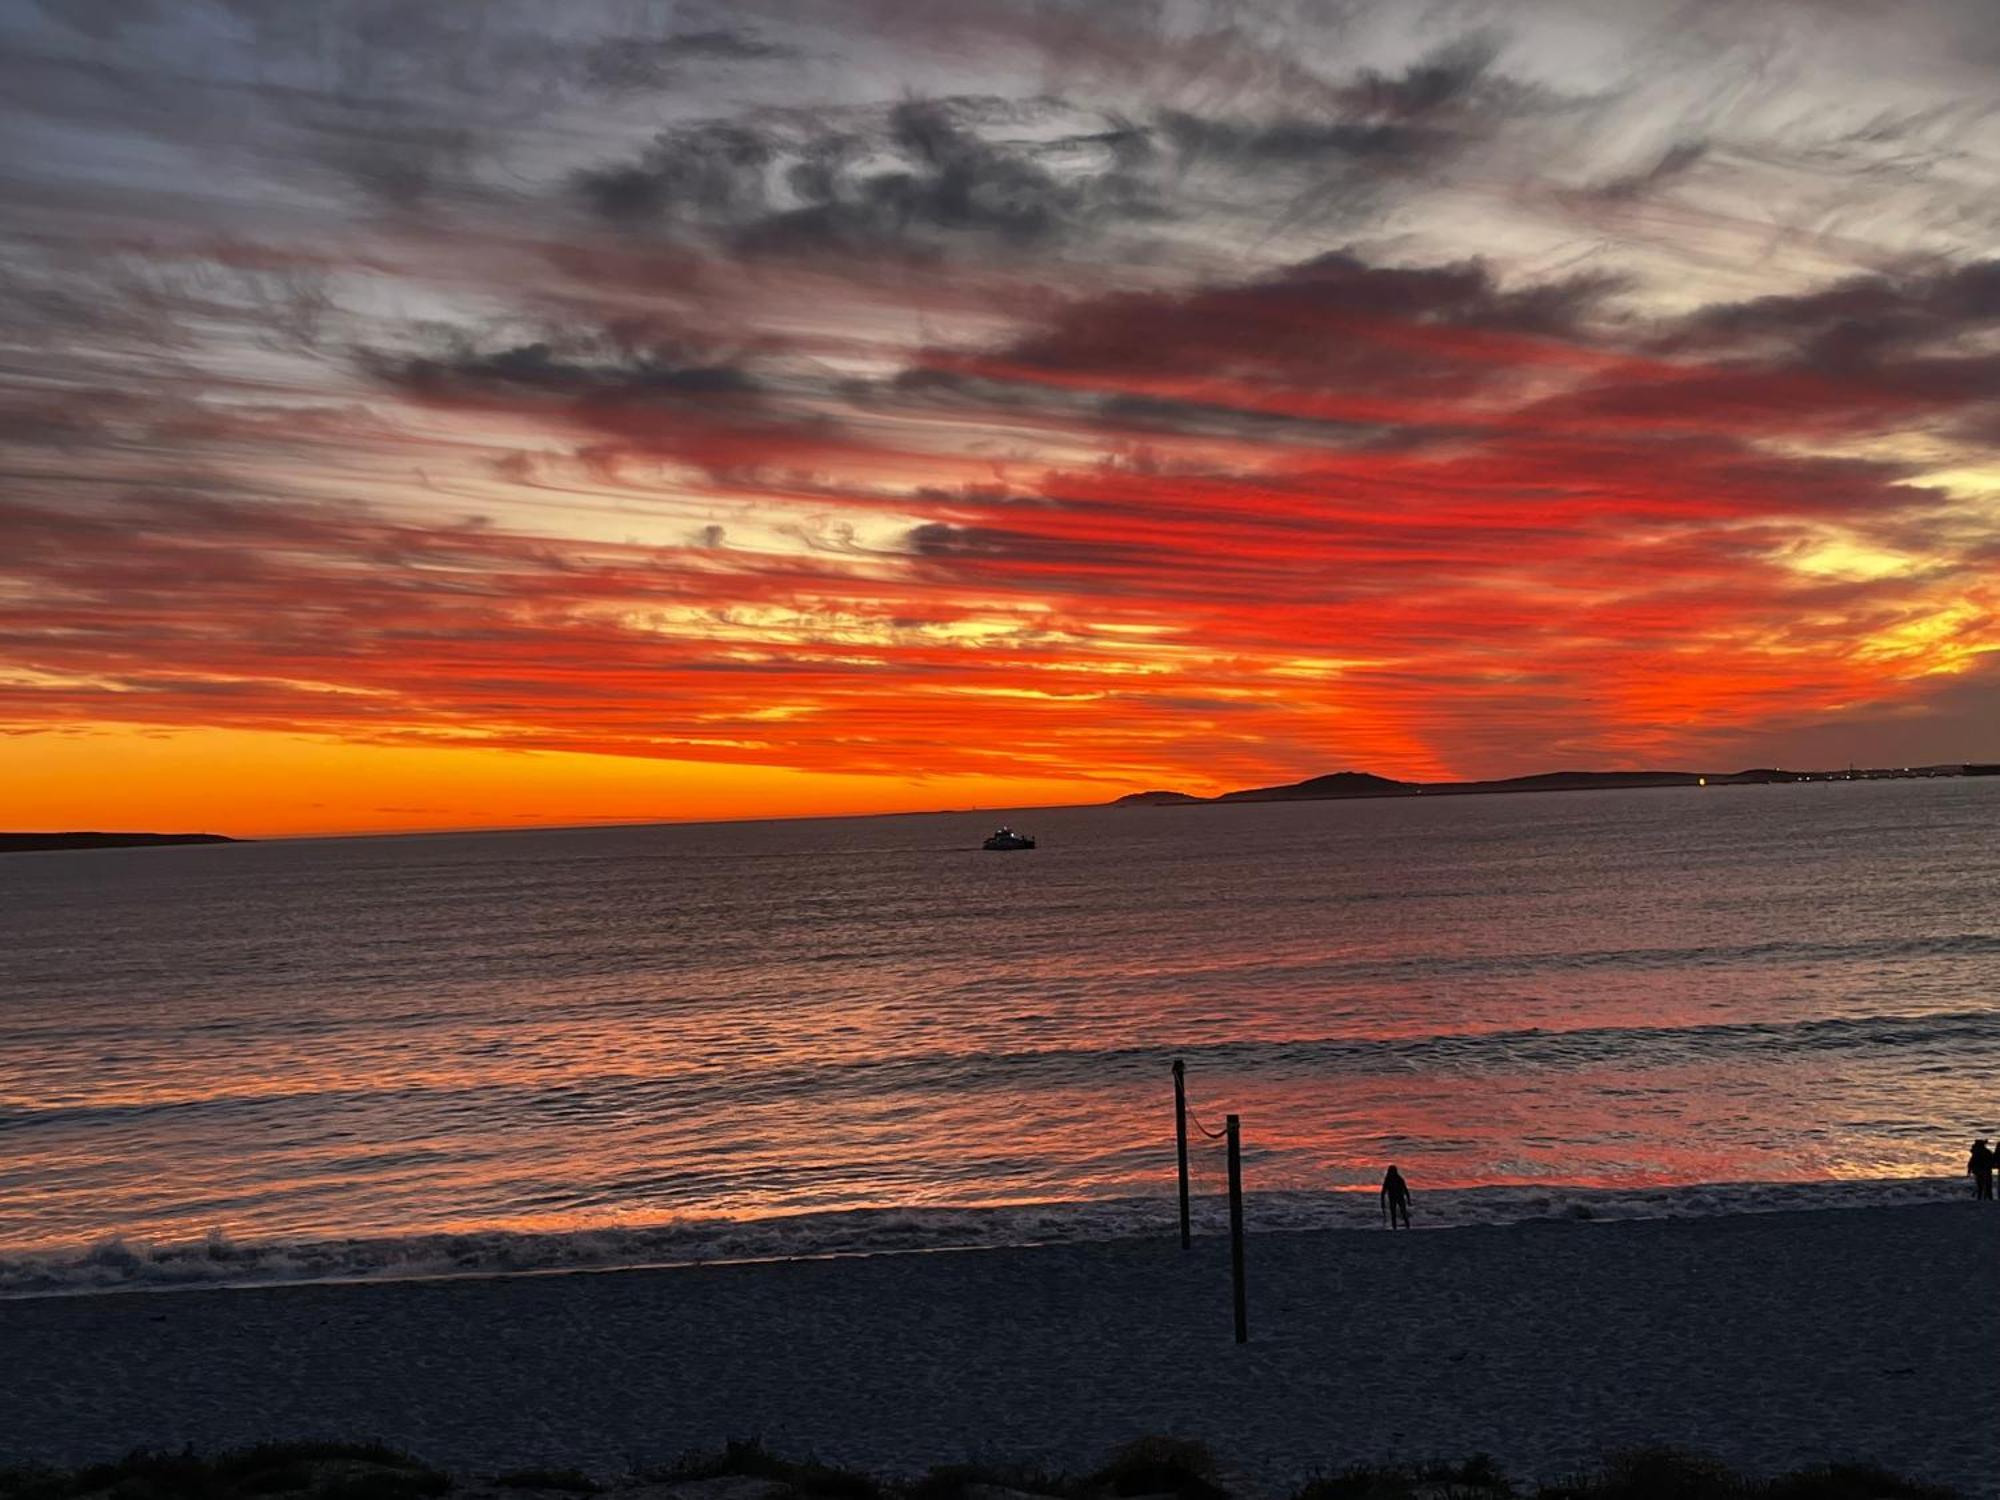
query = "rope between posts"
x=1213 y=1135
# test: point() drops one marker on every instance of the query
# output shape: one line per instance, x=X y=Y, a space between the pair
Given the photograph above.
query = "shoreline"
x=118 y=1266
x=121 y=1265
x=1772 y=1340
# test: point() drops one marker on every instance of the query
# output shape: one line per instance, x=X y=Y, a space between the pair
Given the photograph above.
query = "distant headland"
x=30 y=843
x=1364 y=784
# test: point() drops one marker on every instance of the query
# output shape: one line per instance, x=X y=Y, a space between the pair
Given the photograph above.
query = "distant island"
x=30 y=843
x=1342 y=784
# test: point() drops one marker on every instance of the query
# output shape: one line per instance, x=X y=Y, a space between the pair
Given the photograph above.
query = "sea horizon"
x=1484 y=785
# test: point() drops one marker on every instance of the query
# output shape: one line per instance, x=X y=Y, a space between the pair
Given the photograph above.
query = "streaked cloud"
x=856 y=390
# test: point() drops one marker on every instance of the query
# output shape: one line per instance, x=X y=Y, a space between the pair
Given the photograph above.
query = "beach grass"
x=748 y=1459
x=1672 y=1474
x=320 y=1470
x=1475 y=1478
x=1151 y=1467
x=1179 y=1467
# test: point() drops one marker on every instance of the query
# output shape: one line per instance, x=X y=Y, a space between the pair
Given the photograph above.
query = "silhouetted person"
x=1980 y=1166
x=1395 y=1199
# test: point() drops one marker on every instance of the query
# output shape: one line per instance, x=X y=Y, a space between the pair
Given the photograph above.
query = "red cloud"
x=1339 y=515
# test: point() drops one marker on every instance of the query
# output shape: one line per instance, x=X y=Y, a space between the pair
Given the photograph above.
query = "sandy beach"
x=1770 y=1340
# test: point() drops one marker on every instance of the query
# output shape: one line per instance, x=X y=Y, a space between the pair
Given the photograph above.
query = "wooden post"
x=1180 y=1139
x=1236 y=1228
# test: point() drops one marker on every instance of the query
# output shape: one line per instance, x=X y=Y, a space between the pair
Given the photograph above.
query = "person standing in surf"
x=1395 y=1198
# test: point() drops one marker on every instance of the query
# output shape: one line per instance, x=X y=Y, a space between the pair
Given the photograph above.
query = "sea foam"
x=217 y=1260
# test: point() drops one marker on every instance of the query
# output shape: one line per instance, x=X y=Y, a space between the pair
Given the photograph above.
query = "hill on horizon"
x=1334 y=784
x=1341 y=784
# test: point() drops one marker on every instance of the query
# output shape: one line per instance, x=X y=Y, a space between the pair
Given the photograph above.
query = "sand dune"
x=1771 y=1340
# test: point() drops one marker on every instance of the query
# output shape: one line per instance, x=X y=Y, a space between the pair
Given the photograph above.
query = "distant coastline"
x=1339 y=785
x=35 y=843
x=1353 y=784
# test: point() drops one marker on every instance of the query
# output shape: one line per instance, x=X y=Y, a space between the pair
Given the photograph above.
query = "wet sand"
x=1771 y=1340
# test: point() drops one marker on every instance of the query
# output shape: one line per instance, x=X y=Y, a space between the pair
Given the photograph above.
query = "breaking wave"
x=116 y=1265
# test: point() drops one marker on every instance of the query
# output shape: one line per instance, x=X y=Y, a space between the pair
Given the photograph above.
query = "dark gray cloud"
x=986 y=399
x=948 y=182
x=1865 y=353
x=1328 y=321
x=626 y=394
x=623 y=63
x=919 y=178
x=1453 y=79
x=1295 y=142
x=539 y=369
x=397 y=163
x=1347 y=155
x=714 y=170
x=926 y=175
x=1857 y=319
x=1208 y=419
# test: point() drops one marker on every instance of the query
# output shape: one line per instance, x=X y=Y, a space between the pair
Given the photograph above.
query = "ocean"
x=540 y=1050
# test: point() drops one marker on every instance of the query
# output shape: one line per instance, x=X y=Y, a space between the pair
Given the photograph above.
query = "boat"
x=1005 y=838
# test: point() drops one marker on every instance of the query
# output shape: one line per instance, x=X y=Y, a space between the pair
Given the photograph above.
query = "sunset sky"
x=440 y=415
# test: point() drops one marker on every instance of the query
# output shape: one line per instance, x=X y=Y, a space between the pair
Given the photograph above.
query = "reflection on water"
x=314 y=1039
